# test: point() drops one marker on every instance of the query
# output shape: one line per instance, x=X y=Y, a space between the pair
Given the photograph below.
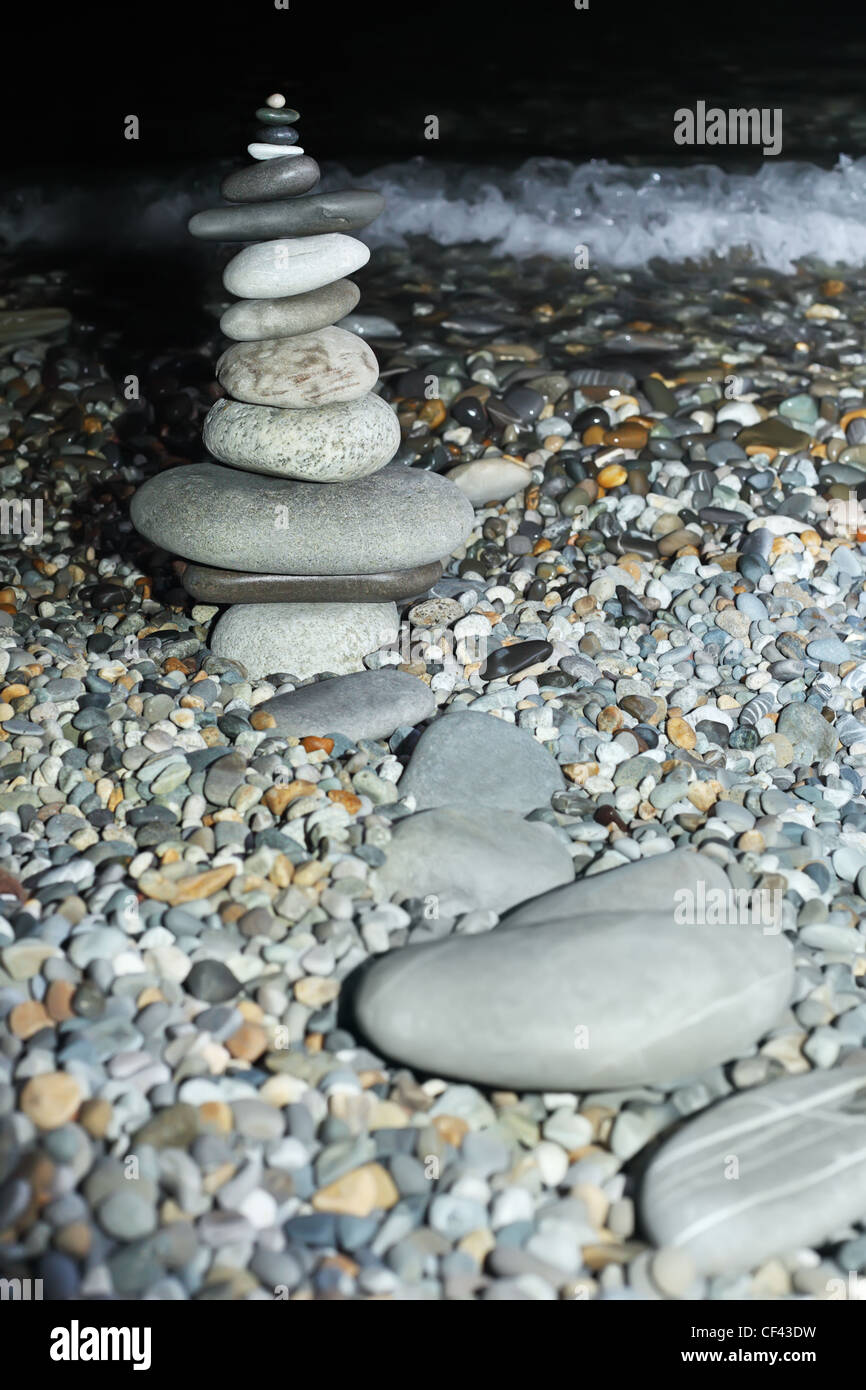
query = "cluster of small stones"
x=186 y=1107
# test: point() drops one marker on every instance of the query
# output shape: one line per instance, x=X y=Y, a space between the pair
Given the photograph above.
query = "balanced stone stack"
x=306 y=533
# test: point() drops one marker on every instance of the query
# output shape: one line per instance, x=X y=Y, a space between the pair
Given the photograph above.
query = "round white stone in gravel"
x=489 y=479
x=293 y=265
x=468 y=756
x=311 y=369
x=252 y=319
x=472 y=857
x=326 y=444
x=394 y=519
x=302 y=638
x=589 y=1000
x=368 y=704
x=776 y=1169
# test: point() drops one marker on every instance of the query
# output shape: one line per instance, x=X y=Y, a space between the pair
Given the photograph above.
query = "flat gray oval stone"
x=318 y=212
x=326 y=443
x=597 y=1001
x=780 y=1167
x=228 y=586
x=313 y=369
x=368 y=704
x=271 y=178
x=469 y=756
x=394 y=519
x=813 y=739
x=305 y=639
x=655 y=883
x=472 y=857
x=250 y=319
x=271 y=269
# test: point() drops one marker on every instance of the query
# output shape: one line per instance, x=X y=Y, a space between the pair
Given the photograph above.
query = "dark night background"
x=507 y=80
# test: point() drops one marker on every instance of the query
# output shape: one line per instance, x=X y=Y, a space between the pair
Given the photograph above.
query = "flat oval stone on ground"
x=303 y=638
x=490 y=479
x=326 y=443
x=291 y=266
x=368 y=704
x=469 y=756
x=472 y=857
x=312 y=369
x=251 y=319
x=319 y=212
x=654 y=883
x=229 y=586
x=799 y=1146
x=272 y=178
x=812 y=738
x=394 y=519
x=594 y=1001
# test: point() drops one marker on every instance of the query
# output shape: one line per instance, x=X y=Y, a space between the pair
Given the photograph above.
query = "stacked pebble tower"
x=306 y=532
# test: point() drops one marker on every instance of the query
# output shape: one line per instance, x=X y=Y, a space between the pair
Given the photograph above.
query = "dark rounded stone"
x=506 y=660
x=592 y=415
x=277 y=135
x=277 y=115
x=527 y=403
x=271 y=178
x=212 y=981
x=209 y=585
x=469 y=411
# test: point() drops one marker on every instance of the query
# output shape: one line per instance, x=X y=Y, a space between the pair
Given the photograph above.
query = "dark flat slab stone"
x=318 y=212
x=209 y=585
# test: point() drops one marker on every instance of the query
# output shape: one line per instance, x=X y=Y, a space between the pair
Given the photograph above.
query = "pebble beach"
x=306 y=1015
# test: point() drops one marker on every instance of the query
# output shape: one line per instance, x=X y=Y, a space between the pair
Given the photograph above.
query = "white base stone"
x=304 y=639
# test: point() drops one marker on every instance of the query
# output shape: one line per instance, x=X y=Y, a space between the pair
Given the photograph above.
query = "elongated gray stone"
x=304 y=639
x=293 y=265
x=590 y=1001
x=775 y=1169
x=471 y=857
x=367 y=704
x=469 y=756
x=313 y=369
x=250 y=319
x=660 y=883
x=271 y=178
x=228 y=586
x=394 y=519
x=326 y=444
x=318 y=212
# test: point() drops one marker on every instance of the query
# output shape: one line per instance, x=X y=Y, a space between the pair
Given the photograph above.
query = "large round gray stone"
x=318 y=212
x=271 y=178
x=589 y=1001
x=776 y=1169
x=304 y=639
x=368 y=704
x=469 y=756
x=472 y=857
x=293 y=265
x=210 y=585
x=393 y=519
x=326 y=443
x=312 y=369
x=251 y=319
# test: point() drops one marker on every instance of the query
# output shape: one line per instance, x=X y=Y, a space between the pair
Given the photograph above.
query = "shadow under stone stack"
x=307 y=532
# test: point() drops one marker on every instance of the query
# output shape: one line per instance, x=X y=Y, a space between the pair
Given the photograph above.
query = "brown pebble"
x=366 y=1189
x=95 y=1117
x=680 y=733
x=29 y=1018
x=248 y=1043
x=51 y=1100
